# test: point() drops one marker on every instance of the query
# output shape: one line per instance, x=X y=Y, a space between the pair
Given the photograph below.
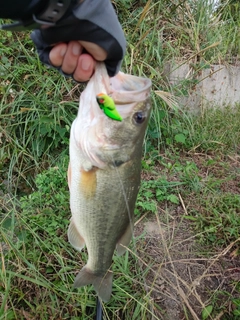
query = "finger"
x=70 y=60
x=57 y=54
x=96 y=51
x=85 y=68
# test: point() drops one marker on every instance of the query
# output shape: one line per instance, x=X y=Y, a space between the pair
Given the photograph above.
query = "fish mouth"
x=111 y=147
x=128 y=89
x=125 y=90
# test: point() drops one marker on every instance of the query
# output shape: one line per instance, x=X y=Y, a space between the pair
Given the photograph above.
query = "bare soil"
x=184 y=276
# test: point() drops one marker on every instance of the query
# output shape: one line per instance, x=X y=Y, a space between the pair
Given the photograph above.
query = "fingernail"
x=85 y=64
x=63 y=51
x=76 y=49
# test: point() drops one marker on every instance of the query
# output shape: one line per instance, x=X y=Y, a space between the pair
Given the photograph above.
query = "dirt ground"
x=184 y=277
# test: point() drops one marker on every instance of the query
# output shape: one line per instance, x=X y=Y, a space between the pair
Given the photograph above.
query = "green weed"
x=153 y=192
x=217 y=215
x=38 y=257
x=36 y=111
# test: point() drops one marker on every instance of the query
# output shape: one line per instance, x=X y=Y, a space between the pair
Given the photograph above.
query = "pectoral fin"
x=74 y=237
x=124 y=241
x=88 y=182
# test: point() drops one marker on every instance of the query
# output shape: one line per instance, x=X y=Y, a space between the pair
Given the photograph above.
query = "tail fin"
x=102 y=284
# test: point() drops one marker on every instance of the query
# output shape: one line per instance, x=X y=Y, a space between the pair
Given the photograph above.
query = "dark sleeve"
x=20 y=9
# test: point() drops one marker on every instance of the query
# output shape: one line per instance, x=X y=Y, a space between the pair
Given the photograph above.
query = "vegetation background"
x=184 y=261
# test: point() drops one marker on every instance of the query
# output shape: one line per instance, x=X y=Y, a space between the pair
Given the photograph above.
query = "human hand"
x=82 y=37
x=71 y=59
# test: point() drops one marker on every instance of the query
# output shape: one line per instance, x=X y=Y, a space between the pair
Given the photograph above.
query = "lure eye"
x=139 y=117
x=100 y=100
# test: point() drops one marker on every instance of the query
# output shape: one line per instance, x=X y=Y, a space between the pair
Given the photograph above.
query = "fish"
x=104 y=173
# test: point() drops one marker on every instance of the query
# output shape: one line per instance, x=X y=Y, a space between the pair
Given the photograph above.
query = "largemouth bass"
x=104 y=173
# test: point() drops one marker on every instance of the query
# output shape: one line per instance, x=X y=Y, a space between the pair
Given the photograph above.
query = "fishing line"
x=125 y=197
x=130 y=219
x=127 y=205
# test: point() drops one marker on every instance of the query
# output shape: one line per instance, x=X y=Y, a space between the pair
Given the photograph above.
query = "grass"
x=38 y=257
x=184 y=260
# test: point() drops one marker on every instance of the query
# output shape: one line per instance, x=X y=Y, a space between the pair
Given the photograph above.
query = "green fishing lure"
x=107 y=104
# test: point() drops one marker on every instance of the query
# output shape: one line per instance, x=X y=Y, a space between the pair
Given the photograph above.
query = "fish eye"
x=139 y=117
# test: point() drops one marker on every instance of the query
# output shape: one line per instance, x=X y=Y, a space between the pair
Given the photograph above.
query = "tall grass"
x=37 y=107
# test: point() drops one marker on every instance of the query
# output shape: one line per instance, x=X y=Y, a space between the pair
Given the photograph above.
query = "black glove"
x=91 y=20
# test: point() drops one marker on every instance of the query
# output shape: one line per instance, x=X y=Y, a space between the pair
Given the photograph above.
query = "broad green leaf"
x=207 y=311
x=180 y=138
x=173 y=198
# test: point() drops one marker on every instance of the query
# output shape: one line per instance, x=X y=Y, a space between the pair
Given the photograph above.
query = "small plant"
x=236 y=311
x=218 y=217
x=207 y=312
x=153 y=192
